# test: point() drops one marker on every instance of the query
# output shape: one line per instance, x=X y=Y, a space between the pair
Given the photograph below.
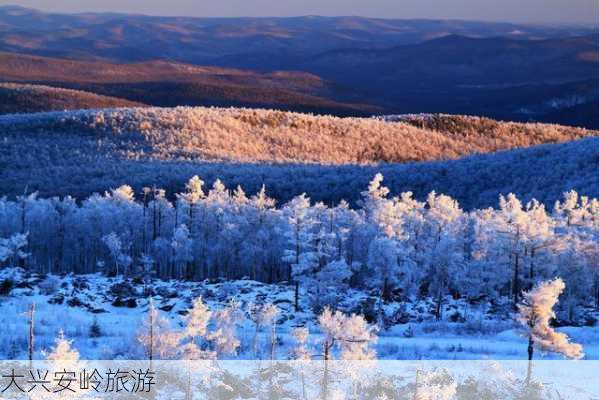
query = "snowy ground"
x=73 y=303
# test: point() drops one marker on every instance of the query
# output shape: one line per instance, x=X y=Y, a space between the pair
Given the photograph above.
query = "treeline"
x=393 y=246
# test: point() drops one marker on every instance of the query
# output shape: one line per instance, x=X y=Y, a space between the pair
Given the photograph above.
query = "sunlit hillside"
x=246 y=135
x=329 y=158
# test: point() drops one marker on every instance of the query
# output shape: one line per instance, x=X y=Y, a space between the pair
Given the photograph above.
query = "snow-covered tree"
x=300 y=253
x=63 y=350
x=11 y=249
x=351 y=334
x=157 y=338
x=120 y=258
x=224 y=336
x=181 y=244
x=197 y=319
x=536 y=313
x=195 y=332
x=300 y=351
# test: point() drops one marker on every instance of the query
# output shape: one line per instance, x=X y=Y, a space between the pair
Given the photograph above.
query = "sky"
x=552 y=11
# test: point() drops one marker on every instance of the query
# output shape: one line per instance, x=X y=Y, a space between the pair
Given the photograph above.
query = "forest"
x=394 y=246
x=473 y=160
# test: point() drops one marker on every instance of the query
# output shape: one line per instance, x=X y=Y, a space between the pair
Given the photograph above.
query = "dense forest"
x=395 y=246
x=79 y=153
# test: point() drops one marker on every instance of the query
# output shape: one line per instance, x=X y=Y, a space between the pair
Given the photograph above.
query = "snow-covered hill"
x=329 y=158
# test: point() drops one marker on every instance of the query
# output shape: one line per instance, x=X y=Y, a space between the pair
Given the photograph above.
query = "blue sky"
x=555 y=11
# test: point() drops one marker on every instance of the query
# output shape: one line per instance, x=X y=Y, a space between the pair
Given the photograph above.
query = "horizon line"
x=547 y=23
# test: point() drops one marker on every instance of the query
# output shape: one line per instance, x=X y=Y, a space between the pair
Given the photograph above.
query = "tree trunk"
x=416 y=385
x=325 y=376
x=530 y=355
x=531 y=274
x=517 y=277
x=296 y=295
x=385 y=295
x=151 y=350
x=31 y=331
x=438 y=306
x=273 y=340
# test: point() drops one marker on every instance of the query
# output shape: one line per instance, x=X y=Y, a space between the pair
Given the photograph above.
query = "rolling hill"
x=164 y=83
x=19 y=98
x=327 y=157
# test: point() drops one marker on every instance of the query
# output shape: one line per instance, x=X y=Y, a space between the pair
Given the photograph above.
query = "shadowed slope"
x=19 y=98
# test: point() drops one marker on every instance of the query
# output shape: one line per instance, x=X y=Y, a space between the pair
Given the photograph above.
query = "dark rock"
x=24 y=285
x=80 y=284
x=123 y=289
x=167 y=308
x=131 y=303
x=456 y=317
x=119 y=302
x=75 y=302
x=138 y=280
x=6 y=287
x=166 y=292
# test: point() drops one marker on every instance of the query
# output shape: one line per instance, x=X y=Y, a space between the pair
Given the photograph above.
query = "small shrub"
x=94 y=330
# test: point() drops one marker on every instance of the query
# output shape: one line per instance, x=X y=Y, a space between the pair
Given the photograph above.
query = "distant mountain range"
x=256 y=43
x=347 y=65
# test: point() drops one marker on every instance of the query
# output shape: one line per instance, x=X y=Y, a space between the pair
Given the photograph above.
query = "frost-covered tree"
x=351 y=334
x=264 y=315
x=157 y=338
x=63 y=350
x=536 y=313
x=181 y=244
x=300 y=351
x=383 y=260
x=11 y=249
x=197 y=319
x=195 y=332
x=118 y=252
x=329 y=284
x=224 y=336
x=300 y=253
